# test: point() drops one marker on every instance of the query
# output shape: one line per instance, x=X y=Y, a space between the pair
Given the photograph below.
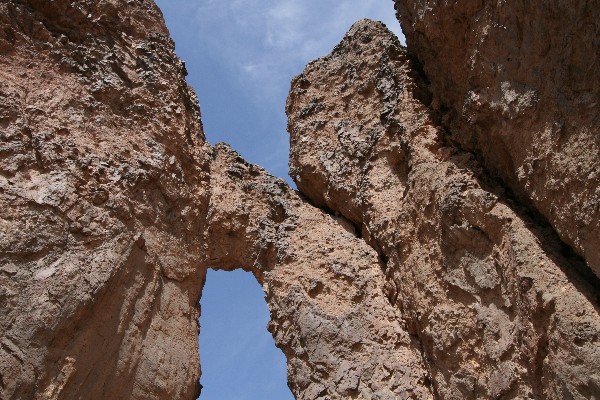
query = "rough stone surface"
x=498 y=311
x=102 y=176
x=116 y=206
x=518 y=83
x=401 y=270
x=324 y=287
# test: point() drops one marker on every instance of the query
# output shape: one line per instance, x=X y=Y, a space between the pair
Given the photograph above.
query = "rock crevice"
x=515 y=84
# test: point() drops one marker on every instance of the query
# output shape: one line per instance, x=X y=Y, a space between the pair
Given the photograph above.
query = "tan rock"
x=103 y=173
x=416 y=277
x=494 y=304
x=518 y=84
x=324 y=287
x=116 y=206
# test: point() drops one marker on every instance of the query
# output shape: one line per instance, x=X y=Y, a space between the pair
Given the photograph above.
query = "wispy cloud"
x=268 y=42
x=256 y=47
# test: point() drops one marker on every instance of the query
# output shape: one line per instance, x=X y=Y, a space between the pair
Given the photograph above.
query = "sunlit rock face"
x=324 y=286
x=403 y=268
x=115 y=206
x=103 y=179
x=487 y=294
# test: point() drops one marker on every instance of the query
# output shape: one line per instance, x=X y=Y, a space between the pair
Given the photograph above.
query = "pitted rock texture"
x=324 y=287
x=115 y=206
x=497 y=309
x=103 y=171
x=518 y=83
x=416 y=277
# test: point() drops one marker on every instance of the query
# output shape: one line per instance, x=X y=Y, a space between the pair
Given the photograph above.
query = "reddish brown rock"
x=498 y=311
x=103 y=173
x=416 y=278
x=518 y=83
x=324 y=287
x=116 y=206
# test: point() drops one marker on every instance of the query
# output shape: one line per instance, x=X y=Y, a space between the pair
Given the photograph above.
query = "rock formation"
x=116 y=207
x=324 y=287
x=497 y=310
x=103 y=180
x=518 y=84
x=423 y=257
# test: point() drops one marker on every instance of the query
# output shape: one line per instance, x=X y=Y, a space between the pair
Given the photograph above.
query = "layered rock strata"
x=518 y=83
x=496 y=308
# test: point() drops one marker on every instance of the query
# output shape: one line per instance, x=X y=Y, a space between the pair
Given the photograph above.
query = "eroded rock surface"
x=115 y=206
x=405 y=273
x=496 y=308
x=103 y=171
x=324 y=287
x=518 y=83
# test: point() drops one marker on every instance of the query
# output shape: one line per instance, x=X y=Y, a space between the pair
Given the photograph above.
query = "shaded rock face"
x=518 y=84
x=401 y=270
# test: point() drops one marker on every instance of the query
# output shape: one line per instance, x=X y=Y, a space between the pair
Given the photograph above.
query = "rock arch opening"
x=238 y=356
x=115 y=205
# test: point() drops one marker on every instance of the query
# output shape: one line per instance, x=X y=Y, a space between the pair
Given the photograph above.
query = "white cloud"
x=270 y=41
x=286 y=10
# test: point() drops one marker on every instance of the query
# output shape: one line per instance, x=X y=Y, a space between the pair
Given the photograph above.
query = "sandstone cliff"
x=422 y=258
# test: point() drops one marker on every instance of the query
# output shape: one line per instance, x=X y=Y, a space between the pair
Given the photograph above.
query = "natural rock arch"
x=418 y=277
x=324 y=286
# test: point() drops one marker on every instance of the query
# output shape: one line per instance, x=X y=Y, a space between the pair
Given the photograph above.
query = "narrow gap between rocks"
x=238 y=355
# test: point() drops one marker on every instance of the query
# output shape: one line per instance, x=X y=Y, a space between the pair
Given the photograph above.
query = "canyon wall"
x=103 y=176
x=495 y=306
x=440 y=245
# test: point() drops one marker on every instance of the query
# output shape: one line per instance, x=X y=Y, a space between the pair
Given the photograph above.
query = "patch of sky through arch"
x=241 y=56
x=239 y=358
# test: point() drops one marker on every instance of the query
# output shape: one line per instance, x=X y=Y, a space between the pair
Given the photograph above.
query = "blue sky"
x=239 y=357
x=241 y=56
